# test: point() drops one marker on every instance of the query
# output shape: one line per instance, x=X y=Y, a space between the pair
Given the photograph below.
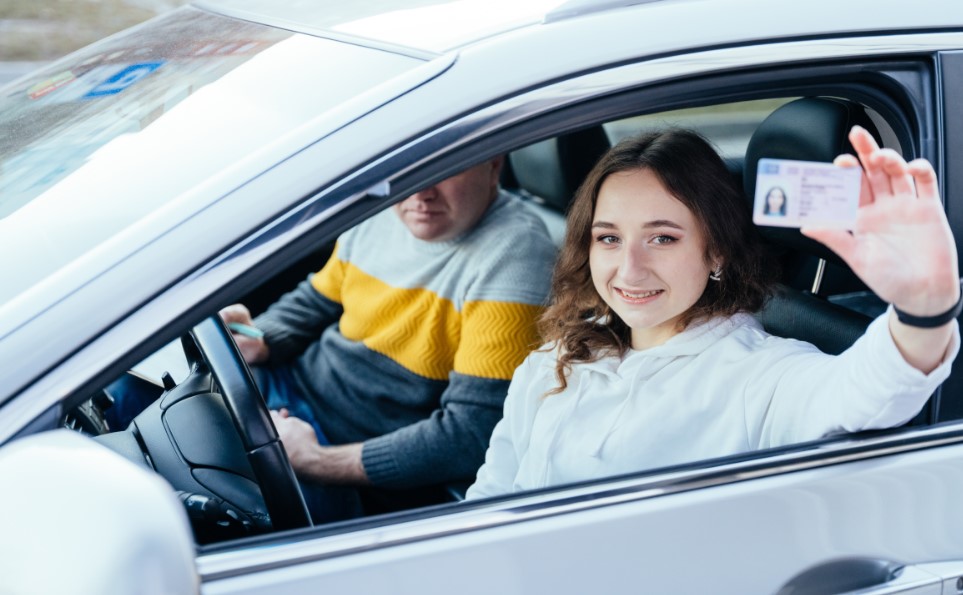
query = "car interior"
x=819 y=300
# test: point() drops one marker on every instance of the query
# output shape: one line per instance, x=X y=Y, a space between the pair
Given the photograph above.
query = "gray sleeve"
x=296 y=320
x=447 y=446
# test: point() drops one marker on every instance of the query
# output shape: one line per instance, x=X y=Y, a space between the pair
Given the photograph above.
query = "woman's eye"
x=607 y=239
x=663 y=239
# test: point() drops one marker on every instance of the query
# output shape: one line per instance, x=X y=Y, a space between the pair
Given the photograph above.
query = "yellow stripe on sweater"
x=423 y=332
x=497 y=336
x=328 y=280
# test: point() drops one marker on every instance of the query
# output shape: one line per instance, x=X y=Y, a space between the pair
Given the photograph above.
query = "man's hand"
x=253 y=350
x=324 y=464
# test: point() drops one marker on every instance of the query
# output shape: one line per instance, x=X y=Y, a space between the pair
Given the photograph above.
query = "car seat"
x=814 y=280
x=548 y=173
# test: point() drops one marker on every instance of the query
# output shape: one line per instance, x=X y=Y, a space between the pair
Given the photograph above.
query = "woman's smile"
x=639 y=297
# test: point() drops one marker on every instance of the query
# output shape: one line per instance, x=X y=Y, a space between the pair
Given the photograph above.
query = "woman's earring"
x=716 y=275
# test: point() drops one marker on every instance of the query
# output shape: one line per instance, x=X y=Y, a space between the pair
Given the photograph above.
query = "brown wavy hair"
x=579 y=323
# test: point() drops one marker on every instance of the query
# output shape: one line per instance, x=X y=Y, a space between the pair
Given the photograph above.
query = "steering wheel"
x=215 y=349
x=211 y=437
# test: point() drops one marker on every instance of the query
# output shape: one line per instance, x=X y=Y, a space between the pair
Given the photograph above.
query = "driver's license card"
x=805 y=193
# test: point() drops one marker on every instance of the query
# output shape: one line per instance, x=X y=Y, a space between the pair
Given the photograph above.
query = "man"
x=390 y=366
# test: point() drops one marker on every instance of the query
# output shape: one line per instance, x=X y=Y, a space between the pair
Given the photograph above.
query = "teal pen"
x=246 y=330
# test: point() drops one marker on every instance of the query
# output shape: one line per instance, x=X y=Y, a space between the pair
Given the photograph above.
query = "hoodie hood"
x=692 y=341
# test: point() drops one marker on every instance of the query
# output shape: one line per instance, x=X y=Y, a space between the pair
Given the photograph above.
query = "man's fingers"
x=235 y=313
x=926 y=185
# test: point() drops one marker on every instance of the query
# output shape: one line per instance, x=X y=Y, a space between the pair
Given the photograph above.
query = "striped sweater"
x=409 y=346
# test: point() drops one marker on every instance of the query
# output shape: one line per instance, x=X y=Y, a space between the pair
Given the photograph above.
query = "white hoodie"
x=718 y=388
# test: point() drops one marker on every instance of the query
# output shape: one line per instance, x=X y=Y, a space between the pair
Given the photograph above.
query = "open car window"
x=823 y=287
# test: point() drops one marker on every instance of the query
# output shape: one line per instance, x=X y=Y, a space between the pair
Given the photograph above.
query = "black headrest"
x=553 y=169
x=808 y=129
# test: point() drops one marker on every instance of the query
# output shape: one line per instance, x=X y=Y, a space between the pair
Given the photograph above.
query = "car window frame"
x=949 y=143
x=908 y=115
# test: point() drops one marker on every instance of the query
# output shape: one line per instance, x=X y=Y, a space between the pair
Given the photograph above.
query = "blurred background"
x=34 y=32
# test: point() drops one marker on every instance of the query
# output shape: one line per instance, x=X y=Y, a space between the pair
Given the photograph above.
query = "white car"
x=212 y=156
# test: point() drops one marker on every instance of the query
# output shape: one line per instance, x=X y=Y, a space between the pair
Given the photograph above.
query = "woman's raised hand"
x=902 y=246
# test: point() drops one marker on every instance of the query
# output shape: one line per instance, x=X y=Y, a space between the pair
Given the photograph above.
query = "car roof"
x=427 y=25
x=439 y=26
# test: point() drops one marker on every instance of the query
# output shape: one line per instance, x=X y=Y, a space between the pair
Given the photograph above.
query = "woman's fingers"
x=865 y=192
x=900 y=181
x=868 y=152
x=886 y=173
x=846 y=160
x=863 y=142
x=839 y=241
x=925 y=177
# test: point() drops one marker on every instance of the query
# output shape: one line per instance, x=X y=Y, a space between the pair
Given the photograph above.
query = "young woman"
x=652 y=358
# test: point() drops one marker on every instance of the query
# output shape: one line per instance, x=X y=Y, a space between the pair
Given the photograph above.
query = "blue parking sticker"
x=123 y=79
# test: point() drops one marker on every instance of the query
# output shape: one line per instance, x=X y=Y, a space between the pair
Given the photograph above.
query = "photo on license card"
x=805 y=193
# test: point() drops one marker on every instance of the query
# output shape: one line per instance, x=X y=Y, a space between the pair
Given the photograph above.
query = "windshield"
x=94 y=148
x=52 y=124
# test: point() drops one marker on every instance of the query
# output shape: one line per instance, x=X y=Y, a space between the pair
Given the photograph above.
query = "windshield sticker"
x=49 y=85
x=123 y=79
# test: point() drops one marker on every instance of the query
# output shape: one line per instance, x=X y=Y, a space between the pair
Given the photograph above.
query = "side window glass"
x=728 y=126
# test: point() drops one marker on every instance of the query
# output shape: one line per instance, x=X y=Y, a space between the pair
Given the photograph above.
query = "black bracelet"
x=931 y=321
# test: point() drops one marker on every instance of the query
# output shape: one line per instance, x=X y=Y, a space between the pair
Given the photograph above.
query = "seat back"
x=801 y=315
x=549 y=172
x=808 y=129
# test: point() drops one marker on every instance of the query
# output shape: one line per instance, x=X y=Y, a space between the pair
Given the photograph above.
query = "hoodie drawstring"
x=622 y=410
x=557 y=430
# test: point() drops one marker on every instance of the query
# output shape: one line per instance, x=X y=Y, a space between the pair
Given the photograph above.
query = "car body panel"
x=645 y=535
x=144 y=544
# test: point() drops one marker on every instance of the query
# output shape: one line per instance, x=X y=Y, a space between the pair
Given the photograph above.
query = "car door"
x=736 y=529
